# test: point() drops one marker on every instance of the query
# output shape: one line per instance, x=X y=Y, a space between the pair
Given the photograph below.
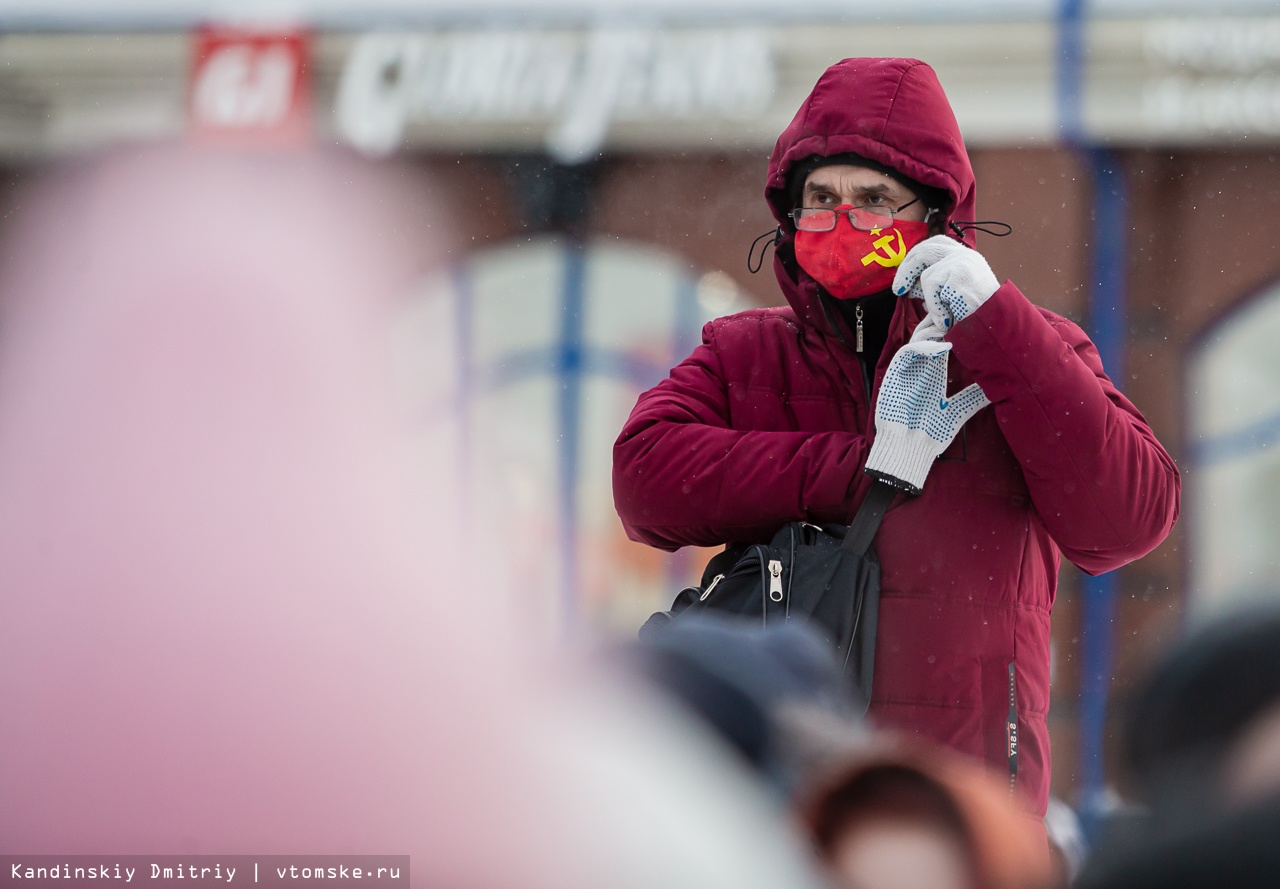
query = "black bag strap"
x=866 y=523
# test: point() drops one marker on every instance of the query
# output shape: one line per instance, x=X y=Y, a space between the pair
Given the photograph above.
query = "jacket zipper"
x=866 y=378
x=858 y=353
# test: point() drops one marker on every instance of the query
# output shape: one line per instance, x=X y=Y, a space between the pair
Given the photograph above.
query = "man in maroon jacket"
x=773 y=418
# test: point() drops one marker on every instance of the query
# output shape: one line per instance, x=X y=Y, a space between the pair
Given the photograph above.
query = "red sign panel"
x=249 y=84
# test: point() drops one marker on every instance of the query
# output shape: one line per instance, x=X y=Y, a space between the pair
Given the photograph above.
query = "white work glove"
x=928 y=329
x=915 y=421
x=952 y=279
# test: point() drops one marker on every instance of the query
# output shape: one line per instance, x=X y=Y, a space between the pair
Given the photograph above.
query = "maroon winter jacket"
x=769 y=421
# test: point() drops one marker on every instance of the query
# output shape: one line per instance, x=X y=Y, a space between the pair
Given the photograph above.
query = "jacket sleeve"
x=1106 y=490
x=682 y=475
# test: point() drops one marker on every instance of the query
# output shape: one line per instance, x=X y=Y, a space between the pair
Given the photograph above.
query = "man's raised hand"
x=953 y=280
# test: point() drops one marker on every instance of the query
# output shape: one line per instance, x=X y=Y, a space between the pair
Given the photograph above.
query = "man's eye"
x=872 y=200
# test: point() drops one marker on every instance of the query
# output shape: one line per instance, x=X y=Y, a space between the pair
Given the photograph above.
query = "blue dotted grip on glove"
x=915 y=420
x=915 y=395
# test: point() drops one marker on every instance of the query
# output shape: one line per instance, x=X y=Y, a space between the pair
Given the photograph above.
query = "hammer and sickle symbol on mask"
x=892 y=254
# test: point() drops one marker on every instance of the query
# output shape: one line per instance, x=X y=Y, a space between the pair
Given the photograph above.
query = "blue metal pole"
x=1070 y=79
x=1107 y=309
x=1107 y=326
x=569 y=408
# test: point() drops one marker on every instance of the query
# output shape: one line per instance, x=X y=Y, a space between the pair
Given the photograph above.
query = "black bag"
x=826 y=575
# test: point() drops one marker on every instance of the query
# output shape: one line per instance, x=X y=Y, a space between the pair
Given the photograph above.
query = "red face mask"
x=849 y=262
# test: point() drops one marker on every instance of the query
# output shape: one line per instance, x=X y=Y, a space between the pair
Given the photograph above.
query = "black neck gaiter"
x=877 y=312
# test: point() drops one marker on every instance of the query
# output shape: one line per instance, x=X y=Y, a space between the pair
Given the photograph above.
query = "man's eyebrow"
x=875 y=188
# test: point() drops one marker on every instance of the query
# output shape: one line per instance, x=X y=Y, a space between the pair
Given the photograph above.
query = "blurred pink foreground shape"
x=238 y=616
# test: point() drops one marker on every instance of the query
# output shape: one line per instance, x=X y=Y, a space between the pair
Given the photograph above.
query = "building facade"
x=602 y=186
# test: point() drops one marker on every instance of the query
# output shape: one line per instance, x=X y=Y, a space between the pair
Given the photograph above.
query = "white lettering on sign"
x=1215 y=44
x=1217 y=76
x=242 y=86
x=578 y=83
x=1218 y=105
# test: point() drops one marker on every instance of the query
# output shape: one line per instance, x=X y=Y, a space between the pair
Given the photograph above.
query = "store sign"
x=1216 y=76
x=575 y=84
x=248 y=84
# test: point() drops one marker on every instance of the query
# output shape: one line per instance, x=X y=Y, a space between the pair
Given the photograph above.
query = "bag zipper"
x=711 y=586
x=775 y=580
x=791 y=578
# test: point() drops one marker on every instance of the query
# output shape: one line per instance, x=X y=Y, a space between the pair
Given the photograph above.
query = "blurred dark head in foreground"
x=1239 y=850
x=1202 y=745
x=770 y=694
x=1204 y=729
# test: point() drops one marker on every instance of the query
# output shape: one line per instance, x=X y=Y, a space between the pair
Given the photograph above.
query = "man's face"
x=839 y=184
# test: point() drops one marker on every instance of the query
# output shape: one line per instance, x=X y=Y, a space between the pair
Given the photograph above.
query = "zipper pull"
x=857 y=314
x=711 y=586
x=775 y=580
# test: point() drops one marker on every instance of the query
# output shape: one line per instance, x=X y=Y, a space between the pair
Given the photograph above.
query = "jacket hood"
x=892 y=111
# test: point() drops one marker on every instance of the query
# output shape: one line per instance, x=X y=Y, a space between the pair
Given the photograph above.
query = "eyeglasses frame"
x=893 y=213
